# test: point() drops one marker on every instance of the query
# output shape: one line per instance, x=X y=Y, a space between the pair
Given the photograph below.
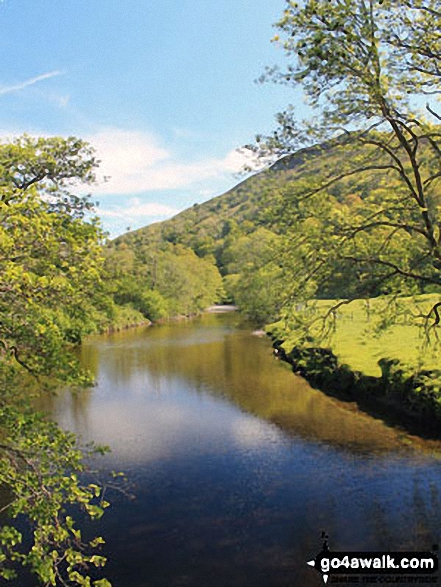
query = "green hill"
x=184 y=264
x=244 y=208
x=261 y=239
x=266 y=230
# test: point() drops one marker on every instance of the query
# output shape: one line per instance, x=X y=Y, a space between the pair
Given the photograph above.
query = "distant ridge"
x=245 y=202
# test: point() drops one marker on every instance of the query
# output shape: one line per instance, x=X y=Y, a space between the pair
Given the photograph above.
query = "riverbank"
x=225 y=448
x=375 y=353
x=127 y=317
x=399 y=398
x=221 y=308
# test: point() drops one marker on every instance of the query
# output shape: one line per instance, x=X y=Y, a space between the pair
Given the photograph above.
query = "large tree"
x=363 y=66
x=50 y=267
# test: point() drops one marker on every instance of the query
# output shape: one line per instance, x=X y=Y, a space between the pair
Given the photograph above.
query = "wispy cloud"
x=136 y=165
x=186 y=133
x=134 y=162
x=60 y=100
x=133 y=213
x=30 y=82
x=139 y=211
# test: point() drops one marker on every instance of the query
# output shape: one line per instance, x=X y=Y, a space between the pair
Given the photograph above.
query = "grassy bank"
x=360 y=339
x=122 y=317
x=361 y=358
x=126 y=317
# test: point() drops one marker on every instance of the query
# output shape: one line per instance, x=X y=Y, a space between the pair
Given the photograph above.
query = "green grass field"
x=360 y=342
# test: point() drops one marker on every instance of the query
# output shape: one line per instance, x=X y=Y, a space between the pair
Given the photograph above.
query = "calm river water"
x=237 y=464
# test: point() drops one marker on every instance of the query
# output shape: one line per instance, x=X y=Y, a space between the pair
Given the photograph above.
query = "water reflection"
x=238 y=463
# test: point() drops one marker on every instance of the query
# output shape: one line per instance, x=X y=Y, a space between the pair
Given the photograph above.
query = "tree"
x=361 y=64
x=189 y=284
x=255 y=279
x=48 y=252
x=50 y=266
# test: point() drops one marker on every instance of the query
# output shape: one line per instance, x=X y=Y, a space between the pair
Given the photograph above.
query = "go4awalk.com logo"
x=411 y=568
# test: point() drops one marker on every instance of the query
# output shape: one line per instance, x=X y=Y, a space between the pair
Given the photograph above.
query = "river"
x=237 y=464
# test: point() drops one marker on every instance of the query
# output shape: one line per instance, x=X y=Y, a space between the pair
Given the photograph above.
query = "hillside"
x=204 y=227
x=260 y=201
x=266 y=231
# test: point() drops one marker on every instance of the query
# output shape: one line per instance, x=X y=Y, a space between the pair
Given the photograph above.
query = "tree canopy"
x=363 y=66
x=50 y=263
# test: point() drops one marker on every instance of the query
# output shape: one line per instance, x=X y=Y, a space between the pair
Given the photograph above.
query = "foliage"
x=255 y=279
x=52 y=163
x=119 y=318
x=189 y=283
x=130 y=290
x=40 y=466
x=352 y=201
x=368 y=348
x=375 y=217
x=48 y=254
x=161 y=280
x=50 y=291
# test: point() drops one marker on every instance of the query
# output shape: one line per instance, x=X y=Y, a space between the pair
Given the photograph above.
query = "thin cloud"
x=137 y=210
x=186 y=133
x=30 y=82
x=133 y=162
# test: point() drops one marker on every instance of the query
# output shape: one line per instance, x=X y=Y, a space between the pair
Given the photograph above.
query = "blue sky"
x=164 y=90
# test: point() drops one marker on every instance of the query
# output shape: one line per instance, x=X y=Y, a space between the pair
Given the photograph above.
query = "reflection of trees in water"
x=6 y=497
x=238 y=367
x=76 y=404
x=396 y=512
x=90 y=356
x=232 y=502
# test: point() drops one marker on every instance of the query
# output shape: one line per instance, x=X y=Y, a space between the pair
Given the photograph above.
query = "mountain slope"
x=260 y=232
x=203 y=227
